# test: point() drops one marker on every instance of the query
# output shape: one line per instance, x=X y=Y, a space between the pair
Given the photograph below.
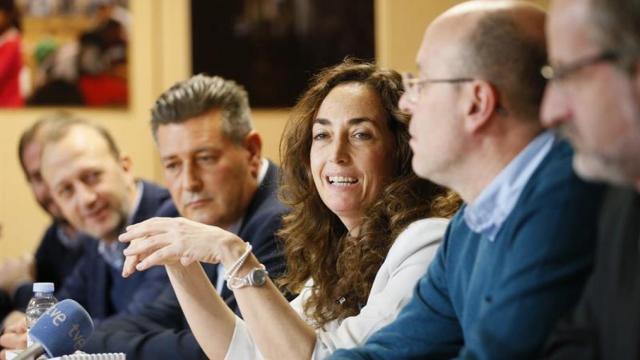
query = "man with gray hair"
x=593 y=97
x=213 y=168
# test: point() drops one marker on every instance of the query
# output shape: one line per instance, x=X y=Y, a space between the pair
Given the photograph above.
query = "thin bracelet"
x=236 y=266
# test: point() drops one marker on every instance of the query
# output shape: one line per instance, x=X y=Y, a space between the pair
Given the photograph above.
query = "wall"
x=159 y=32
x=400 y=25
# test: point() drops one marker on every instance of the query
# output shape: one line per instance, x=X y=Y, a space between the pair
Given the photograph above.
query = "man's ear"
x=126 y=163
x=481 y=104
x=253 y=144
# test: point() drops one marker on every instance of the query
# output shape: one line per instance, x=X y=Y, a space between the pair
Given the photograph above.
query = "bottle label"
x=29 y=339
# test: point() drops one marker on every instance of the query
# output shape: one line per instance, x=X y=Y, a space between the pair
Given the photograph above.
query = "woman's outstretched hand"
x=169 y=241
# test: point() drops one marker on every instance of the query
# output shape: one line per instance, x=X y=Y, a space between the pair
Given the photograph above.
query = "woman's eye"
x=320 y=136
x=361 y=135
x=206 y=158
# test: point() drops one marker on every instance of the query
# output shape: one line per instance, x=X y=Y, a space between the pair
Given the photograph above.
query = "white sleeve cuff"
x=242 y=345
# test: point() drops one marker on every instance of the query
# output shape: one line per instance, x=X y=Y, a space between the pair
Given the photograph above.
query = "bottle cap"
x=47 y=287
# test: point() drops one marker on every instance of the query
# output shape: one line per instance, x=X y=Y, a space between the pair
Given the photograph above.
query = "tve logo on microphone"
x=58 y=317
x=63 y=328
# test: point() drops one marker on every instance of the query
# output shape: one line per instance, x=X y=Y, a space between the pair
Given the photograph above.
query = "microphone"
x=62 y=329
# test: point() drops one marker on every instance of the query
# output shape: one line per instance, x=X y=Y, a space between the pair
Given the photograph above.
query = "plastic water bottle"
x=42 y=300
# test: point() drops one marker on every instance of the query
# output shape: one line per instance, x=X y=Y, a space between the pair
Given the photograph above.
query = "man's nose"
x=191 y=178
x=86 y=195
x=406 y=104
x=555 y=108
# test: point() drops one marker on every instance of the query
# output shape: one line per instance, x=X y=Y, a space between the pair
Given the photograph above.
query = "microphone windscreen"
x=63 y=328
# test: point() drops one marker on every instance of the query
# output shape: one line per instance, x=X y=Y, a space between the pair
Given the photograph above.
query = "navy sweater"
x=498 y=300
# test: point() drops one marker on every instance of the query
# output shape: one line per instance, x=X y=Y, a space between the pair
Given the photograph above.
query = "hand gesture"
x=171 y=241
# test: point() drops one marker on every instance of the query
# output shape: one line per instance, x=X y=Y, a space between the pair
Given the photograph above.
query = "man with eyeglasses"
x=516 y=256
x=593 y=97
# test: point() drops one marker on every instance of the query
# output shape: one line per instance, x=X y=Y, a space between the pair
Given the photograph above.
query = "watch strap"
x=235 y=282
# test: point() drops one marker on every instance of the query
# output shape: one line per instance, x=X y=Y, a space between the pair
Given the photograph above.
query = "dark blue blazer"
x=55 y=261
x=161 y=330
x=5 y=305
x=100 y=288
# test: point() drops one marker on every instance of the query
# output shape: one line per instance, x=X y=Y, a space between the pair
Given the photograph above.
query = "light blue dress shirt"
x=494 y=204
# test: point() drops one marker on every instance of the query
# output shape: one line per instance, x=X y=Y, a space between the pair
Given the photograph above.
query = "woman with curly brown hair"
x=354 y=241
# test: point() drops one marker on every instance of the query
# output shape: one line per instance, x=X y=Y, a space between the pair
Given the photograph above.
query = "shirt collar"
x=69 y=242
x=235 y=227
x=264 y=166
x=136 y=202
x=112 y=252
x=494 y=204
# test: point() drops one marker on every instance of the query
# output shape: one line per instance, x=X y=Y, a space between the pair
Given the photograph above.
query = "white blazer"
x=406 y=262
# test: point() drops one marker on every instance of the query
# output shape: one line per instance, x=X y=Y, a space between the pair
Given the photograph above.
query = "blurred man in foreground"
x=594 y=99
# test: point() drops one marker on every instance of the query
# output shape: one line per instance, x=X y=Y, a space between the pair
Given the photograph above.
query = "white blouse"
x=407 y=260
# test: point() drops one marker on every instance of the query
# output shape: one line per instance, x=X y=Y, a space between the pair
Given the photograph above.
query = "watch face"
x=258 y=277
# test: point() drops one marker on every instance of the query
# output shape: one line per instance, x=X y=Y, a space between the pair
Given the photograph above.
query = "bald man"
x=516 y=256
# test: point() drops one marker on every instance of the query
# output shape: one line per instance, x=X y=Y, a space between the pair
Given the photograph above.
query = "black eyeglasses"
x=413 y=85
x=562 y=72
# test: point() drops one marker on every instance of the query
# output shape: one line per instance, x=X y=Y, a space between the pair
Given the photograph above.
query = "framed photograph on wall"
x=72 y=52
x=272 y=47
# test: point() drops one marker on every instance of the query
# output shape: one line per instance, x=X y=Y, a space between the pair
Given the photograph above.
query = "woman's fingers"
x=140 y=249
x=186 y=261
x=129 y=266
x=163 y=256
x=163 y=241
x=146 y=228
x=147 y=244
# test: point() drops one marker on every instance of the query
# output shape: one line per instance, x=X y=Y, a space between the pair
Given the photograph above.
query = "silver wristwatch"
x=256 y=277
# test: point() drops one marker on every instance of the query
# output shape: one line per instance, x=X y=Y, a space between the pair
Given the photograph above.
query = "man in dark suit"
x=96 y=282
x=216 y=175
x=93 y=185
x=60 y=247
